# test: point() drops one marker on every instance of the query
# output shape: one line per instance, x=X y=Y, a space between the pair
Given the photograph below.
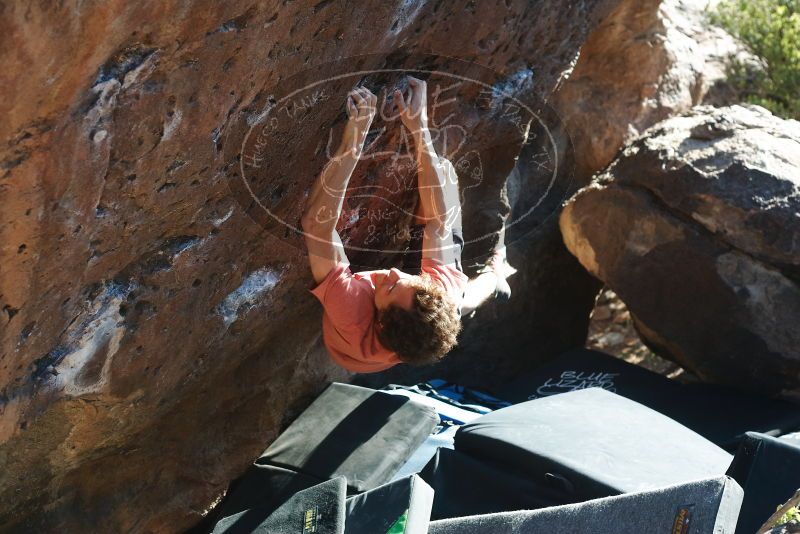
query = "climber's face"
x=393 y=288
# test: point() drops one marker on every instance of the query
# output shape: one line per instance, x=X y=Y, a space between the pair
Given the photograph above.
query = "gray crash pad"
x=709 y=506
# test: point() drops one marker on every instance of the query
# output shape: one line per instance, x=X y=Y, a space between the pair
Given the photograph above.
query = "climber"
x=374 y=320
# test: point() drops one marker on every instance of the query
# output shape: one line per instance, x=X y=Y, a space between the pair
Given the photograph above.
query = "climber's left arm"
x=324 y=203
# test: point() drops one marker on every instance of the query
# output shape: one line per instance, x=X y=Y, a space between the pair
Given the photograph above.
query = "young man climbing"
x=376 y=319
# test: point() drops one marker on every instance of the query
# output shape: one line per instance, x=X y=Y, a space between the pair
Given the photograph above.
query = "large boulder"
x=696 y=226
x=154 y=337
x=648 y=60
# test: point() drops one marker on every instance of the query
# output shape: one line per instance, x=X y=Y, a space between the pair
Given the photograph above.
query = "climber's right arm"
x=437 y=180
x=324 y=203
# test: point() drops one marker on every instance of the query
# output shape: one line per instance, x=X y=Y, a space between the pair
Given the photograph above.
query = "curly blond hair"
x=425 y=333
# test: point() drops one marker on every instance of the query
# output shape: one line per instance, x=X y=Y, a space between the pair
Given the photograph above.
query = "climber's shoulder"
x=346 y=297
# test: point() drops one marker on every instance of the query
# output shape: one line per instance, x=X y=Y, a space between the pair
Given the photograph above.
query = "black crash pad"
x=265 y=487
x=355 y=432
x=465 y=486
x=405 y=502
x=319 y=509
x=592 y=443
x=704 y=506
x=769 y=471
x=583 y=368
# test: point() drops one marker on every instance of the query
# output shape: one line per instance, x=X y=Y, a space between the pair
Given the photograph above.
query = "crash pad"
x=584 y=368
x=591 y=443
x=355 y=432
x=704 y=506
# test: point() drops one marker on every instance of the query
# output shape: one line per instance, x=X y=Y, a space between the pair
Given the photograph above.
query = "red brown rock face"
x=154 y=337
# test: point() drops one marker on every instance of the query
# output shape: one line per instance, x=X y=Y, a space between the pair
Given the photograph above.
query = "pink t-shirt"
x=348 y=324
